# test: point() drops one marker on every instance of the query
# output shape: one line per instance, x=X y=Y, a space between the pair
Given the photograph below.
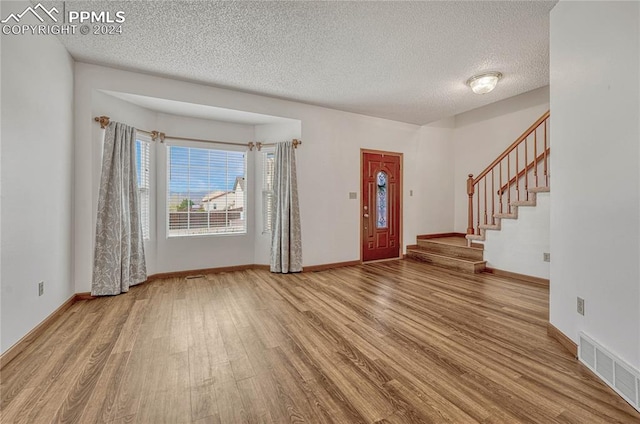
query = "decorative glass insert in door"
x=381 y=200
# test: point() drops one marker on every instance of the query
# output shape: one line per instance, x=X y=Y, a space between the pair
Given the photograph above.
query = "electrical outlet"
x=40 y=288
x=580 y=306
x=546 y=257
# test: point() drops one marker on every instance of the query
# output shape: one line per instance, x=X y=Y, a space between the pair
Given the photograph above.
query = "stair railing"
x=493 y=196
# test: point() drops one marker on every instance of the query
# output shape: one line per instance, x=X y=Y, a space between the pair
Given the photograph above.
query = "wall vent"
x=587 y=353
x=619 y=375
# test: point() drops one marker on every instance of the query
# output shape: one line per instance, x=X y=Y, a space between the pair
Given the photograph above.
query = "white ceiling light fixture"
x=484 y=83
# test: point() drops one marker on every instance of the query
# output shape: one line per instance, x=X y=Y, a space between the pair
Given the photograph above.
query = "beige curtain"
x=119 y=260
x=286 y=239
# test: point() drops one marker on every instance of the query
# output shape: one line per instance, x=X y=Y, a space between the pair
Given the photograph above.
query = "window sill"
x=180 y=236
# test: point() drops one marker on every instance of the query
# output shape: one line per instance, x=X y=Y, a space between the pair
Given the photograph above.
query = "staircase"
x=513 y=214
x=517 y=179
x=510 y=182
x=449 y=252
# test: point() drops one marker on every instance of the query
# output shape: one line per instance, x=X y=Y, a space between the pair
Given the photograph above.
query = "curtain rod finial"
x=296 y=143
x=103 y=120
x=157 y=135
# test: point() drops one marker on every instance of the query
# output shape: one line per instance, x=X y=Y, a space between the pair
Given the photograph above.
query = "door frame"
x=400 y=215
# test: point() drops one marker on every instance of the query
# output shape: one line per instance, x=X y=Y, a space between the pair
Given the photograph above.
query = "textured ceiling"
x=406 y=61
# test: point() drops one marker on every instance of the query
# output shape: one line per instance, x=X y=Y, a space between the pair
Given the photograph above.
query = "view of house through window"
x=268 y=158
x=206 y=191
x=142 y=169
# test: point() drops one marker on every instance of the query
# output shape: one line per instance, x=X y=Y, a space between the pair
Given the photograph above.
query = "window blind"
x=143 y=153
x=206 y=191
x=268 y=158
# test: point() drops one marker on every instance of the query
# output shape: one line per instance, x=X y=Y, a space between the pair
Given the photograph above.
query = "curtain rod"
x=157 y=135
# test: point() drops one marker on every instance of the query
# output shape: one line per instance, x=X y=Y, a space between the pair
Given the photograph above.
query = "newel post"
x=470 y=194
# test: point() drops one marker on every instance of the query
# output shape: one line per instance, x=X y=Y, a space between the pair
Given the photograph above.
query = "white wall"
x=1 y=348
x=482 y=134
x=595 y=215
x=328 y=162
x=431 y=207
x=520 y=244
x=37 y=155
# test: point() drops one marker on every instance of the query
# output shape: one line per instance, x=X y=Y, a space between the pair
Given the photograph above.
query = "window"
x=142 y=169
x=381 y=200
x=268 y=160
x=206 y=191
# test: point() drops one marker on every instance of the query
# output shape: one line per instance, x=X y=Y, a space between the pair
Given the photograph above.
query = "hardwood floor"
x=390 y=342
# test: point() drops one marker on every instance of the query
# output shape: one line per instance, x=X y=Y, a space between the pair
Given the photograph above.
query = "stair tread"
x=447 y=262
x=427 y=241
x=454 y=258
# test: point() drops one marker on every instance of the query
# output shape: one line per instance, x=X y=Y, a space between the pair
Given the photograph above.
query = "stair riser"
x=445 y=262
x=450 y=250
x=540 y=190
x=513 y=215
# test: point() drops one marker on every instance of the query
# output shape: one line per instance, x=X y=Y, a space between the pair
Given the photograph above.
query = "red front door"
x=381 y=211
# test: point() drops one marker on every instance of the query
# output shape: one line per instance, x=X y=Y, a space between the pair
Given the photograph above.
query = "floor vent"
x=621 y=377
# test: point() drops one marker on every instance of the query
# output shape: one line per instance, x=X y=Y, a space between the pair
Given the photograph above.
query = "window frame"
x=207 y=146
